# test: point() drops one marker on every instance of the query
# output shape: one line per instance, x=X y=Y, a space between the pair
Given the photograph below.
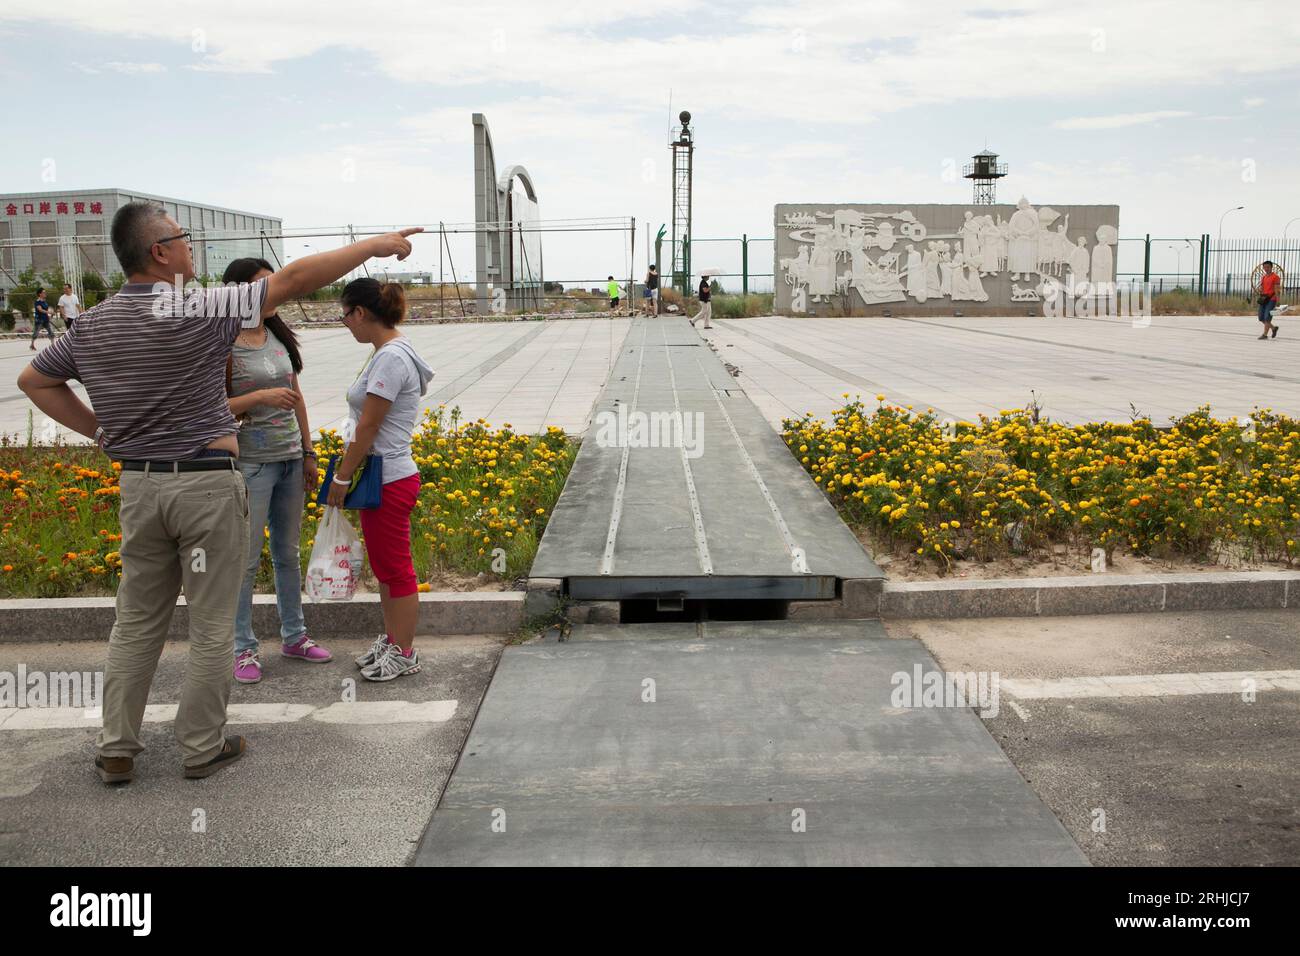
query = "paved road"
x=1185 y=776
x=340 y=785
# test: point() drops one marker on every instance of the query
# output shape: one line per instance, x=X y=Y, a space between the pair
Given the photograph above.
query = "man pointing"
x=152 y=360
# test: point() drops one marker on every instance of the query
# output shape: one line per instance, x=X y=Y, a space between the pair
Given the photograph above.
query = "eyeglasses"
x=347 y=313
x=182 y=235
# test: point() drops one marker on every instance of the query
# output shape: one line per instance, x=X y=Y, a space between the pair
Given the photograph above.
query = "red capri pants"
x=387 y=531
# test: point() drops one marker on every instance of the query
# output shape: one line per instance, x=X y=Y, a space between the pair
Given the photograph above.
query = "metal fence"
x=742 y=265
x=1221 y=272
x=445 y=254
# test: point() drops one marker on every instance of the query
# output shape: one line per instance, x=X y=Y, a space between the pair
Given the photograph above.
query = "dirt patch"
x=1061 y=563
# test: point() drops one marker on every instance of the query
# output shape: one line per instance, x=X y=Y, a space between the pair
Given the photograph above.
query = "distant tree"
x=94 y=288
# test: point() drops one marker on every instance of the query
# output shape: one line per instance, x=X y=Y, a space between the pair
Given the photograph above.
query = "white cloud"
x=797 y=99
x=832 y=61
x=133 y=69
x=1119 y=120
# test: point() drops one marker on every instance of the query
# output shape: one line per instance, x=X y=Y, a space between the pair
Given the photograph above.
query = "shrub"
x=1203 y=488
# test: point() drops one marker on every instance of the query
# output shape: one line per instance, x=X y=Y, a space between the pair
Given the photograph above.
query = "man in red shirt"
x=1269 y=283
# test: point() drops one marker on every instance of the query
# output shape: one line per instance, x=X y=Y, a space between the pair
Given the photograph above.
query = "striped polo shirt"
x=153 y=363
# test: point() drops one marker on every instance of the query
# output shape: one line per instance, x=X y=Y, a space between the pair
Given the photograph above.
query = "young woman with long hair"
x=279 y=467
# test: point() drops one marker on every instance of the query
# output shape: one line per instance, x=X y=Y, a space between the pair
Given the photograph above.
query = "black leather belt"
x=191 y=464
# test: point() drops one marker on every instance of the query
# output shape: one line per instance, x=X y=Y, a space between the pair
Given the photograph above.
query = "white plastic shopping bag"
x=335 y=564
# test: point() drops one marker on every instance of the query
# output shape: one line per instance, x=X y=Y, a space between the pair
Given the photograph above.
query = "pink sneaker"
x=248 y=669
x=306 y=650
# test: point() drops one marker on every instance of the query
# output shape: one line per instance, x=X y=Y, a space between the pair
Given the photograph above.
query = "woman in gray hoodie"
x=384 y=406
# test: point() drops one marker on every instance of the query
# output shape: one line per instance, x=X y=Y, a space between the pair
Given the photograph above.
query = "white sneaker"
x=392 y=663
x=376 y=649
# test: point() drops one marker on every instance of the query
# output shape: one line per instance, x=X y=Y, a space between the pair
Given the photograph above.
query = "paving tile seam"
x=829 y=369
x=1159 y=359
x=455 y=387
x=524 y=374
x=797 y=554
x=701 y=536
x=832 y=337
x=748 y=376
x=559 y=389
x=620 y=489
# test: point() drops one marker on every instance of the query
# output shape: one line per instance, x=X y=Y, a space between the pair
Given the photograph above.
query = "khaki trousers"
x=179 y=529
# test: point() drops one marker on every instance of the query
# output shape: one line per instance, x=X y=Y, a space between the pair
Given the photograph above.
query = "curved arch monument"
x=507 y=256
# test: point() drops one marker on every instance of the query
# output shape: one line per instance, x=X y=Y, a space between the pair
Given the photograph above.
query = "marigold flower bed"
x=487 y=494
x=1203 y=488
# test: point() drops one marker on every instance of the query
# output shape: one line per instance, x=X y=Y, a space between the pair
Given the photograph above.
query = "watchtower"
x=984 y=171
x=683 y=147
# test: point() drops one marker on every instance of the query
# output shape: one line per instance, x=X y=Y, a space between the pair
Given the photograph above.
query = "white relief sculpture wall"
x=936 y=257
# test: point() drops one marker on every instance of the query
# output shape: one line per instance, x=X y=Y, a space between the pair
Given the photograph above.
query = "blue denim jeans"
x=275 y=499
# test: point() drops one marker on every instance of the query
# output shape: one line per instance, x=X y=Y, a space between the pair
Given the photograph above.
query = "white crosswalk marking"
x=367 y=712
x=387 y=712
x=1149 y=685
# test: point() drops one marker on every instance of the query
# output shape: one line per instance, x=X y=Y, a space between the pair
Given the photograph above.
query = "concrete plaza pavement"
x=1080 y=369
x=535 y=374
x=530 y=374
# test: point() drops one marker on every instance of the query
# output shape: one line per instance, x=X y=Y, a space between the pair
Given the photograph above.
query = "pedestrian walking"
x=706 y=309
x=1269 y=284
x=69 y=306
x=278 y=463
x=153 y=362
x=613 y=290
x=384 y=406
x=41 y=318
x=650 y=294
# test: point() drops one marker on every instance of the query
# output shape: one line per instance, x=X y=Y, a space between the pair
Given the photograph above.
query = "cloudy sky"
x=326 y=113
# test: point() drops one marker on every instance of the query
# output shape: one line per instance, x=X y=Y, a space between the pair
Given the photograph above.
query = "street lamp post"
x=1286 y=250
x=1219 y=241
x=1178 y=276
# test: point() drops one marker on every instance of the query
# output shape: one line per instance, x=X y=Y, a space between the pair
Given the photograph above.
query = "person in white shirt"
x=69 y=306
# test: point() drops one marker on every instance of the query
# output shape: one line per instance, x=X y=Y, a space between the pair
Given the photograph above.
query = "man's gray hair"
x=135 y=230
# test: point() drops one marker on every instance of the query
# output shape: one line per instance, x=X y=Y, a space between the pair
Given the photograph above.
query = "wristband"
x=344 y=482
x=308 y=454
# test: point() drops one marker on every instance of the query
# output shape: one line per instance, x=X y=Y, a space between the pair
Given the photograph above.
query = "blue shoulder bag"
x=367 y=486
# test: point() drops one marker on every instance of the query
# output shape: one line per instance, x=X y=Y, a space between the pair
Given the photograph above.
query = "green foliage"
x=741 y=306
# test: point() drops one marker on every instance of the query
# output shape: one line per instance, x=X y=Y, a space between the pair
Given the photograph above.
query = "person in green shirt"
x=614 y=291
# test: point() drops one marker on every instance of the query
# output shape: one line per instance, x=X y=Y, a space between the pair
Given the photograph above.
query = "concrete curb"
x=445 y=612
x=1092 y=594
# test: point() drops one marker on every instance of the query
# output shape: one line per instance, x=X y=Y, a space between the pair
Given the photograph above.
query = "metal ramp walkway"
x=749 y=729
x=683 y=490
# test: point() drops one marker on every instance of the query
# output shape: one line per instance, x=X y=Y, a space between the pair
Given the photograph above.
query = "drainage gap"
x=657 y=610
